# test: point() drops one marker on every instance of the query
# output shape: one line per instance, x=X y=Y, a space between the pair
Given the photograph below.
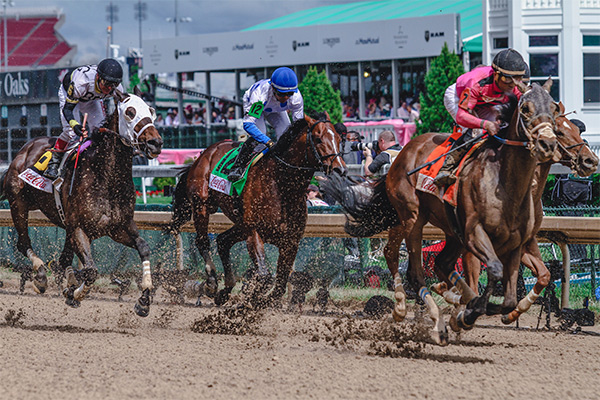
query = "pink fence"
x=370 y=129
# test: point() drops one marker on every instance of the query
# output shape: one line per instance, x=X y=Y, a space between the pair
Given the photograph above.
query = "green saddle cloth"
x=218 y=177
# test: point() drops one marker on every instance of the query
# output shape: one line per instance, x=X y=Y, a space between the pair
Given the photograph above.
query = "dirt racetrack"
x=102 y=350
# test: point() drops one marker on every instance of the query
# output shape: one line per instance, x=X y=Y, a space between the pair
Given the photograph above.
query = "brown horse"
x=100 y=203
x=493 y=217
x=272 y=206
x=572 y=152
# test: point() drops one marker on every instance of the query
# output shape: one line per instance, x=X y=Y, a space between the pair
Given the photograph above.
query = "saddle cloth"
x=33 y=175
x=428 y=174
x=218 y=177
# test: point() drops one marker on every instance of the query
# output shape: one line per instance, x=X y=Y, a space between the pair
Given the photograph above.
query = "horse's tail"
x=2 y=179
x=367 y=207
x=182 y=207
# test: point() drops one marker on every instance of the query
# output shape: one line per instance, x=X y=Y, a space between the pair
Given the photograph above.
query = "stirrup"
x=235 y=175
x=446 y=179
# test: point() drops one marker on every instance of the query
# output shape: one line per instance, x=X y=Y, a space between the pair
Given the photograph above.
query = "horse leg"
x=130 y=237
x=65 y=268
x=20 y=219
x=391 y=253
x=80 y=242
x=416 y=276
x=480 y=245
x=224 y=243
x=201 y=217
x=532 y=259
x=262 y=279
x=287 y=255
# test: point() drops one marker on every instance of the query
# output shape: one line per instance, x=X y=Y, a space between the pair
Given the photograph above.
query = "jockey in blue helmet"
x=267 y=100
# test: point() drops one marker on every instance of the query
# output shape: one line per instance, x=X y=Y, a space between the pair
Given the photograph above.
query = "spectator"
x=372 y=109
x=352 y=156
x=171 y=119
x=404 y=112
x=196 y=118
x=389 y=150
x=313 y=197
x=159 y=120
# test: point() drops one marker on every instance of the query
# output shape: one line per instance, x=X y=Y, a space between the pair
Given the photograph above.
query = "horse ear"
x=548 y=85
x=309 y=119
x=561 y=107
x=137 y=91
x=327 y=114
x=119 y=96
x=522 y=87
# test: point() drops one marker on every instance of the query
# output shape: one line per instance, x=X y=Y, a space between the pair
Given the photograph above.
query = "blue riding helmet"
x=284 y=80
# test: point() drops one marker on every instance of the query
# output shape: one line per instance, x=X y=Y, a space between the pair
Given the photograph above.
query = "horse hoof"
x=40 y=282
x=460 y=320
x=506 y=320
x=222 y=297
x=69 y=300
x=211 y=288
x=440 y=338
x=141 y=310
x=198 y=303
x=398 y=315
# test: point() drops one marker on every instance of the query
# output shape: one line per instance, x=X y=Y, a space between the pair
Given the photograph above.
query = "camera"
x=359 y=146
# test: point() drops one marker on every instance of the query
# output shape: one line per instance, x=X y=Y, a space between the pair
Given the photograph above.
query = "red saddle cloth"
x=428 y=174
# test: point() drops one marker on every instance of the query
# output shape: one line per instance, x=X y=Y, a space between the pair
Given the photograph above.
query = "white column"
x=362 y=109
x=571 y=58
x=395 y=89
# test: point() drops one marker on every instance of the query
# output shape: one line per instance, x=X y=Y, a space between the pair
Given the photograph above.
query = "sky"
x=87 y=20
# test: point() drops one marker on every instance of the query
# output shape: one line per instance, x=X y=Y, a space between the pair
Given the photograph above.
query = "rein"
x=313 y=149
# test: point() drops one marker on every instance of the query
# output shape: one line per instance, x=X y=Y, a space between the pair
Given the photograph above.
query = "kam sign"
x=361 y=41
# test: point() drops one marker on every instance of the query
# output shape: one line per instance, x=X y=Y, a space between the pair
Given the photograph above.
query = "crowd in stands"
x=380 y=107
x=196 y=115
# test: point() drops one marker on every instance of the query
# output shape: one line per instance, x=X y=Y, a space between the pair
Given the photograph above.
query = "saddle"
x=428 y=174
x=218 y=177
x=34 y=174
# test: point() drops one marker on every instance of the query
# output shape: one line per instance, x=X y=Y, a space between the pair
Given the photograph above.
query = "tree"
x=320 y=96
x=443 y=72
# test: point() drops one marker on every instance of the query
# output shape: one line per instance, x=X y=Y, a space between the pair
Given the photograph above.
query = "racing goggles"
x=108 y=84
x=510 y=78
x=282 y=94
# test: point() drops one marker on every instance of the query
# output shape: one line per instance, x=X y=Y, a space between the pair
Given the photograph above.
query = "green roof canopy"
x=470 y=15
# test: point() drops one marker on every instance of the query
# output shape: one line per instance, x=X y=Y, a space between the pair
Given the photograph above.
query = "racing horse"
x=100 y=202
x=271 y=208
x=572 y=152
x=493 y=218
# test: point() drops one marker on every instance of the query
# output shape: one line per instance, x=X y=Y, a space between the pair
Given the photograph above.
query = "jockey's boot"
x=241 y=161
x=51 y=171
x=445 y=176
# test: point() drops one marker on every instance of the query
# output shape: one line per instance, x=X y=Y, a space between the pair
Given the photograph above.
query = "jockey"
x=82 y=91
x=473 y=94
x=267 y=100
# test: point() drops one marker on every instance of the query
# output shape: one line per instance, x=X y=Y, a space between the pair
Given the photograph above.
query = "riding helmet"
x=579 y=123
x=284 y=80
x=509 y=62
x=110 y=70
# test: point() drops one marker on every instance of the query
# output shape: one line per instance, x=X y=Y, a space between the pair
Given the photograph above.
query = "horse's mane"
x=289 y=136
x=505 y=113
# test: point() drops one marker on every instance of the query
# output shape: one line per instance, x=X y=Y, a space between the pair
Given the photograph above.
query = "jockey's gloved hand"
x=270 y=144
x=78 y=129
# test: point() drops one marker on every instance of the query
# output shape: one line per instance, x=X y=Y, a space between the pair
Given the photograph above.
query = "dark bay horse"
x=102 y=199
x=571 y=152
x=272 y=207
x=494 y=213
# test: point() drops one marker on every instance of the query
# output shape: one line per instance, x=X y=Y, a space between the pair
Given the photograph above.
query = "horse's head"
x=537 y=113
x=326 y=144
x=572 y=150
x=136 y=123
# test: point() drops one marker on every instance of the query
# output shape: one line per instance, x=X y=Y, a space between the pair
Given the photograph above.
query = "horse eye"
x=130 y=112
x=318 y=140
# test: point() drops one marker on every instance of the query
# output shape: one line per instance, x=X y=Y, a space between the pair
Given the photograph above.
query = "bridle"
x=313 y=150
x=570 y=156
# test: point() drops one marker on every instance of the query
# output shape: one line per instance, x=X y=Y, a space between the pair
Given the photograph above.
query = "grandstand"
x=33 y=40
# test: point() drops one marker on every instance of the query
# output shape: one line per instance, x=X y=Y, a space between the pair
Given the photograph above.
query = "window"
x=543 y=41
x=591 y=69
x=544 y=59
x=501 y=43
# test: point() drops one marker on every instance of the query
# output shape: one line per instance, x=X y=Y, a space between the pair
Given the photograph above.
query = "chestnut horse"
x=493 y=218
x=572 y=152
x=100 y=203
x=271 y=207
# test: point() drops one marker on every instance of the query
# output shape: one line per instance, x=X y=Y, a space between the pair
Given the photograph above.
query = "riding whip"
x=467 y=143
x=77 y=156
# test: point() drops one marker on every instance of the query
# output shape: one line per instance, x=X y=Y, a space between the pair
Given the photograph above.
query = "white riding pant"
x=278 y=120
x=93 y=108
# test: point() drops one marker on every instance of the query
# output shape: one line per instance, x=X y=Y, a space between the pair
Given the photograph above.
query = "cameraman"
x=352 y=154
x=388 y=150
